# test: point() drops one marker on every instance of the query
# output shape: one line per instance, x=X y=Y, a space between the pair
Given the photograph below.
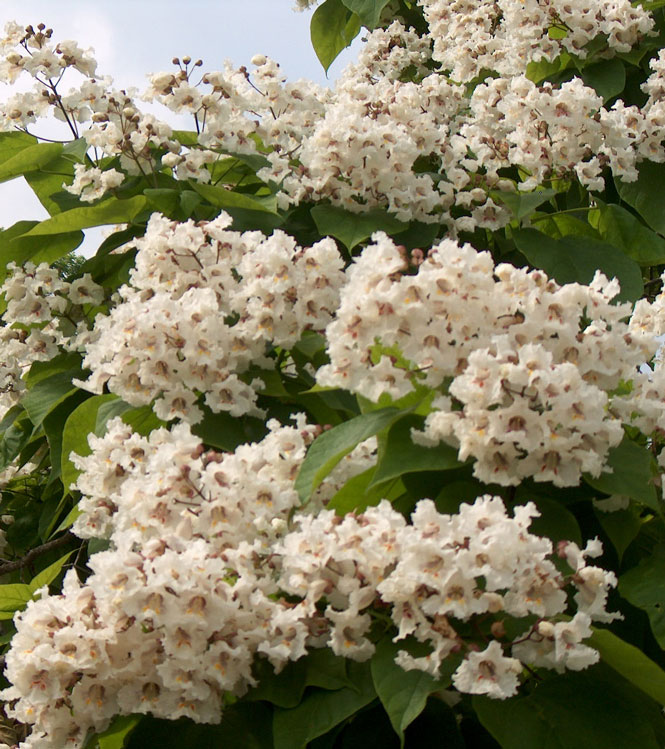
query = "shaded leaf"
x=631 y=475
x=43 y=397
x=81 y=423
x=576 y=259
x=591 y=709
x=48 y=575
x=607 y=78
x=330 y=447
x=642 y=194
x=118 y=732
x=630 y=662
x=401 y=455
x=619 y=227
x=521 y=204
x=621 y=526
x=322 y=710
x=403 y=694
x=353 y=228
x=644 y=587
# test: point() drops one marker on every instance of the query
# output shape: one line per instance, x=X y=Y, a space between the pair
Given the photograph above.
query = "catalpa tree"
x=352 y=429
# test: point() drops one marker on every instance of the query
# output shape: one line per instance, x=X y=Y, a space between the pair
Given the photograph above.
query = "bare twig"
x=34 y=553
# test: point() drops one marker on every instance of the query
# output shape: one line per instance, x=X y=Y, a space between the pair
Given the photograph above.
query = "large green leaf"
x=48 y=575
x=14 y=438
x=118 y=733
x=247 y=211
x=592 y=709
x=621 y=526
x=48 y=181
x=368 y=11
x=245 y=726
x=576 y=259
x=630 y=662
x=321 y=710
x=330 y=447
x=644 y=587
x=109 y=211
x=521 y=204
x=319 y=668
x=28 y=159
x=608 y=77
x=623 y=230
x=41 y=399
x=631 y=474
x=332 y=29
x=357 y=494
x=403 y=694
x=645 y=194
x=13 y=597
x=17 y=246
x=401 y=455
x=81 y=422
x=353 y=228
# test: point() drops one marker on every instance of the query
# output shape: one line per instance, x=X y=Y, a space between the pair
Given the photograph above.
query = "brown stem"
x=34 y=553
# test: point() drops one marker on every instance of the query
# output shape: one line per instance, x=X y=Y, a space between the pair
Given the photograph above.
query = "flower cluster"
x=205 y=304
x=528 y=363
x=202 y=553
x=36 y=299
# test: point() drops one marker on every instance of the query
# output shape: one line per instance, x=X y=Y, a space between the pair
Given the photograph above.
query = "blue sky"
x=134 y=37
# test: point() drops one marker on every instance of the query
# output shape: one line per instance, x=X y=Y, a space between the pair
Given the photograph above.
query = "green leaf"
x=554 y=521
x=108 y=411
x=40 y=370
x=623 y=230
x=17 y=246
x=592 y=709
x=557 y=225
x=631 y=475
x=118 y=732
x=644 y=195
x=608 y=78
x=621 y=526
x=14 y=439
x=401 y=455
x=357 y=495
x=330 y=447
x=81 y=423
x=368 y=11
x=332 y=29
x=143 y=420
x=248 y=212
x=13 y=597
x=644 y=587
x=322 y=710
x=41 y=399
x=576 y=259
x=403 y=694
x=539 y=71
x=630 y=662
x=48 y=575
x=244 y=725
x=48 y=181
x=27 y=159
x=353 y=228
x=319 y=668
x=225 y=432
x=109 y=211
x=54 y=424
x=521 y=204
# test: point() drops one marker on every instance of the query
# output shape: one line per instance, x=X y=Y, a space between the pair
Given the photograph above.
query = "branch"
x=34 y=553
